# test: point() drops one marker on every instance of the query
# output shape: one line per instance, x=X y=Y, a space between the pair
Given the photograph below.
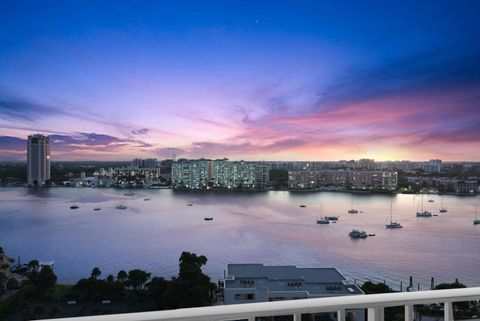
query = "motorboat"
x=331 y=218
x=208 y=219
x=121 y=207
x=424 y=214
x=356 y=234
x=74 y=207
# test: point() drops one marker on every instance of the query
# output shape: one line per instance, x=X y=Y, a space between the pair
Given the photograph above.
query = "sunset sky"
x=254 y=80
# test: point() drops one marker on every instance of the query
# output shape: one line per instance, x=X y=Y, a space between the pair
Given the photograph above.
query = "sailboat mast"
x=391 y=211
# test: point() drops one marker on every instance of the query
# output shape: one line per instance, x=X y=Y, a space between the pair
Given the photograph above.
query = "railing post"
x=297 y=317
x=376 y=314
x=341 y=315
x=448 y=311
x=409 y=312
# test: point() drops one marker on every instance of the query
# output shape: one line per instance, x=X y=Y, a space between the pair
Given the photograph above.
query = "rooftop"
x=316 y=281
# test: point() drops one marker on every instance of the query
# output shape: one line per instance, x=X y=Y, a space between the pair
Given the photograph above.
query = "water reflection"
x=267 y=228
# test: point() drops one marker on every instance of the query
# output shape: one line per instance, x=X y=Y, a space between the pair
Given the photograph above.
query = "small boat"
x=121 y=207
x=371 y=234
x=443 y=209
x=331 y=218
x=129 y=194
x=476 y=221
x=97 y=209
x=431 y=201
x=392 y=223
x=208 y=219
x=189 y=204
x=423 y=213
x=356 y=234
x=352 y=210
x=74 y=207
x=303 y=205
x=146 y=199
x=435 y=215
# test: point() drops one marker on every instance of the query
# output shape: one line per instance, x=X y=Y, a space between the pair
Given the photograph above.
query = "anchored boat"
x=356 y=234
x=423 y=213
x=392 y=223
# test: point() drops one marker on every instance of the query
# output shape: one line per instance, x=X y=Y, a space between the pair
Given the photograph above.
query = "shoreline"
x=249 y=190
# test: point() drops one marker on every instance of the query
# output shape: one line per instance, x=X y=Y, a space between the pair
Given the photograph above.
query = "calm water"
x=267 y=228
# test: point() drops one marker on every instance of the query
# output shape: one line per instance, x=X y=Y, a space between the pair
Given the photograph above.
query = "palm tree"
x=96 y=273
x=122 y=276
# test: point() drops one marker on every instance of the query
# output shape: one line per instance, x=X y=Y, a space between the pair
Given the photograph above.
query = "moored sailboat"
x=392 y=224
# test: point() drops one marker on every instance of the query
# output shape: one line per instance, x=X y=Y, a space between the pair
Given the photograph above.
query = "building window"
x=244 y=296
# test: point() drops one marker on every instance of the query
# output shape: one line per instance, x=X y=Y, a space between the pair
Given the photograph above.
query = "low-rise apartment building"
x=343 y=179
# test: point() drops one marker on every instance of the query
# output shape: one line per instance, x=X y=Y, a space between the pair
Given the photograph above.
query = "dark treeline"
x=191 y=288
x=132 y=291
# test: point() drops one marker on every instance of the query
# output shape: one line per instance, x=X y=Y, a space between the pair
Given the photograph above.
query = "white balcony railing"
x=375 y=304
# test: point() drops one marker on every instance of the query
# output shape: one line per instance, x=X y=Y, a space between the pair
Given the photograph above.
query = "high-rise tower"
x=38 y=155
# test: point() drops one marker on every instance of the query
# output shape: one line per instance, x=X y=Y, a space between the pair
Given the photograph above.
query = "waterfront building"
x=38 y=159
x=302 y=179
x=220 y=174
x=249 y=283
x=232 y=175
x=192 y=174
x=444 y=184
x=262 y=175
x=343 y=179
x=455 y=185
x=373 y=180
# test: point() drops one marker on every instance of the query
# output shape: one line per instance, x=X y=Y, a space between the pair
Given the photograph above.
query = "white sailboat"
x=352 y=210
x=392 y=223
x=423 y=213
x=322 y=220
x=443 y=209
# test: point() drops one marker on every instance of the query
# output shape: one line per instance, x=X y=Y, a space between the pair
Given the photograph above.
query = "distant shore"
x=249 y=190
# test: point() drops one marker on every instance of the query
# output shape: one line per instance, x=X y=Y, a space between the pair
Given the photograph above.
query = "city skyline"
x=254 y=81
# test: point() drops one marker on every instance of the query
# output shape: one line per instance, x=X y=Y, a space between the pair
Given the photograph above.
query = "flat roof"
x=289 y=278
